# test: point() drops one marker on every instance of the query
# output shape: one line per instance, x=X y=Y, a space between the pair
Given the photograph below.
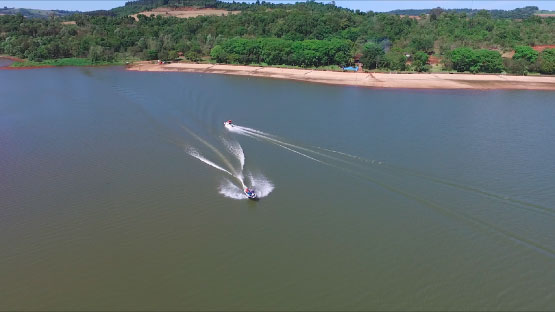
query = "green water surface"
x=372 y=199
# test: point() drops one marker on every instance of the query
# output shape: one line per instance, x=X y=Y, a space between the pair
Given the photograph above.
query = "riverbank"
x=375 y=80
x=11 y=58
x=26 y=64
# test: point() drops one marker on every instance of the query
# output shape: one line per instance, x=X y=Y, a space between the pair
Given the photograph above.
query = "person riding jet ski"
x=250 y=193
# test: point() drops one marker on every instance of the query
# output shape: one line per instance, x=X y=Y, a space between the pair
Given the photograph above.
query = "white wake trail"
x=231 y=190
x=262 y=135
x=304 y=155
x=255 y=131
x=261 y=184
x=235 y=148
x=193 y=152
x=210 y=146
x=372 y=161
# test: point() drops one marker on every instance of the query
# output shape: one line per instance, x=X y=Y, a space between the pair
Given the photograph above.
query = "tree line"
x=277 y=51
x=525 y=12
x=301 y=34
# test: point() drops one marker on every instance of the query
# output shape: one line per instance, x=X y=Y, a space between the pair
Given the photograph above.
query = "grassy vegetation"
x=328 y=68
x=437 y=69
x=73 y=61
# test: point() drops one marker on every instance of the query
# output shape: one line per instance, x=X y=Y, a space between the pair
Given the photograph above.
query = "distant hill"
x=35 y=12
x=136 y=6
x=516 y=13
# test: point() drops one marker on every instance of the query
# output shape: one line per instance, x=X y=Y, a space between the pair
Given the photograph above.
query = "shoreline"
x=19 y=64
x=371 y=80
x=11 y=58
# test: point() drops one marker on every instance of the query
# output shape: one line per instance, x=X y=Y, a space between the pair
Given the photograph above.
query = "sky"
x=363 y=5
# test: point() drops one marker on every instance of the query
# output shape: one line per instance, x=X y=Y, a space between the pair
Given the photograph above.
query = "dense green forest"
x=302 y=34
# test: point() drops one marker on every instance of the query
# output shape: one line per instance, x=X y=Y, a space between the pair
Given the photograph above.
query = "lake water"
x=122 y=191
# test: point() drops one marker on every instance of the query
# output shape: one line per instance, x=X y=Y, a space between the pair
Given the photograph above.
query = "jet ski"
x=228 y=124
x=250 y=193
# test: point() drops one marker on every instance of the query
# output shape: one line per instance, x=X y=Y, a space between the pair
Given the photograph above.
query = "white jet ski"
x=228 y=124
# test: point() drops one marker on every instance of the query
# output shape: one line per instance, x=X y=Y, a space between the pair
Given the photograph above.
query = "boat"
x=250 y=193
x=228 y=124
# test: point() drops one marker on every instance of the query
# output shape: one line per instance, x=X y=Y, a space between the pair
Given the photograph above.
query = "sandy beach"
x=374 y=80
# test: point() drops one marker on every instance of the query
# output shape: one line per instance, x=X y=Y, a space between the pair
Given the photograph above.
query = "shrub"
x=467 y=59
x=372 y=55
x=420 y=61
x=462 y=59
x=152 y=55
x=517 y=67
x=547 y=62
x=525 y=53
x=395 y=60
x=488 y=61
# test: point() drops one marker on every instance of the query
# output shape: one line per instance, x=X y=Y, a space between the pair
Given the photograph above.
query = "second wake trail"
x=443 y=196
x=346 y=161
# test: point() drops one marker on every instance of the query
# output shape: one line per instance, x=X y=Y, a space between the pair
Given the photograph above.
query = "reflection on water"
x=118 y=191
